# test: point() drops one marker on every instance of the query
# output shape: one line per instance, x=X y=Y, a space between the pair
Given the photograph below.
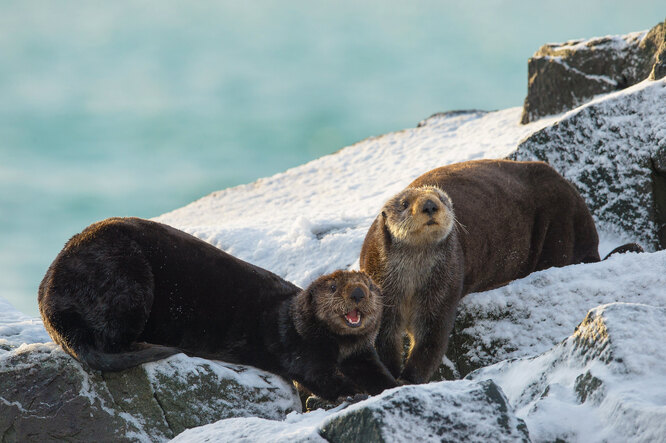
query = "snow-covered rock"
x=312 y=219
x=45 y=394
x=530 y=315
x=613 y=150
x=562 y=76
x=604 y=383
x=17 y=328
x=444 y=411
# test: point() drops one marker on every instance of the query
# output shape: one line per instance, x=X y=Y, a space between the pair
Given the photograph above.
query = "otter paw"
x=313 y=402
x=351 y=399
x=357 y=398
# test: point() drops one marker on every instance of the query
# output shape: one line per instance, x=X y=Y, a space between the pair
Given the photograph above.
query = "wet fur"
x=126 y=291
x=498 y=220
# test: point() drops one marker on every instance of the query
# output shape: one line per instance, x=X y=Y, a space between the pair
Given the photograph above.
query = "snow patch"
x=312 y=219
x=530 y=315
x=604 y=383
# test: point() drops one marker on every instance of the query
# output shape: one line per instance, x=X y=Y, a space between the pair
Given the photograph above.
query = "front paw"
x=357 y=398
x=351 y=399
x=313 y=402
x=402 y=382
x=411 y=378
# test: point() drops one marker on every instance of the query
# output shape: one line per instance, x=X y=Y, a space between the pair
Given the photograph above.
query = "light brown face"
x=348 y=302
x=419 y=216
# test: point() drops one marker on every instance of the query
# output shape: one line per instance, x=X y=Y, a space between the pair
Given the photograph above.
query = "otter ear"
x=311 y=296
x=444 y=198
x=383 y=214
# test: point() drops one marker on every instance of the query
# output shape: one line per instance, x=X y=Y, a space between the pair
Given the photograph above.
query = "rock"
x=46 y=394
x=444 y=411
x=655 y=42
x=604 y=383
x=531 y=315
x=613 y=151
x=562 y=76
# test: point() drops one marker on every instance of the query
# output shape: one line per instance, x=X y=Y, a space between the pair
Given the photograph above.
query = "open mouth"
x=353 y=318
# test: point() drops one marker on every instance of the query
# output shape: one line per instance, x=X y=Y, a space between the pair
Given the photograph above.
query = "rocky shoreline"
x=537 y=356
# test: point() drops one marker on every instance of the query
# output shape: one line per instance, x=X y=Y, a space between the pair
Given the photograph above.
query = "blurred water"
x=140 y=107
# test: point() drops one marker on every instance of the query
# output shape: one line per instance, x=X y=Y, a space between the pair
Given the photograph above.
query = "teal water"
x=137 y=108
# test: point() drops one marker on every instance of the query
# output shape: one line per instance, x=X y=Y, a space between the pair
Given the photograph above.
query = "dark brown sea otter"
x=126 y=291
x=463 y=228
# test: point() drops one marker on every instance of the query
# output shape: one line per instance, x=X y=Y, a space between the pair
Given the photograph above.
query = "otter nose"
x=429 y=207
x=357 y=295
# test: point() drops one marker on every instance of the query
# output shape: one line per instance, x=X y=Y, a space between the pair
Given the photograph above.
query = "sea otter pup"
x=126 y=291
x=464 y=228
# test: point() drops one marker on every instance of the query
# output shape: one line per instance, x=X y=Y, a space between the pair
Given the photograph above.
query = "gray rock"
x=604 y=383
x=613 y=151
x=45 y=394
x=562 y=76
x=529 y=316
x=655 y=43
x=442 y=412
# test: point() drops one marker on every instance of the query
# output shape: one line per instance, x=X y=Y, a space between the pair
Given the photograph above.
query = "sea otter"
x=126 y=291
x=464 y=228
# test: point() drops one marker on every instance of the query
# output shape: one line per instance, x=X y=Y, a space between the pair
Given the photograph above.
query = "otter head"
x=419 y=216
x=346 y=302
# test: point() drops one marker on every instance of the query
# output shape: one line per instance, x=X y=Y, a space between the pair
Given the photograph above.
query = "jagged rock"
x=613 y=150
x=655 y=42
x=444 y=411
x=531 y=315
x=562 y=76
x=45 y=394
x=604 y=383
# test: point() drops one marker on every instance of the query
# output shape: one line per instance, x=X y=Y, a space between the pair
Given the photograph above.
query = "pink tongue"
x=352 y=316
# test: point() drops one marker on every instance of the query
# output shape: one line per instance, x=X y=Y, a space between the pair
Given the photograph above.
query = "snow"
x=606 y=148
x=17 y=328
x=531 y=315
x=621 y=345
x=451 y=410
x=312 y=220
x=295 y=428
x=617 y=43
x=254 y=392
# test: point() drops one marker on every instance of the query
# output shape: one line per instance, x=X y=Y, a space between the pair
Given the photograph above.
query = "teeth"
x=353 y=317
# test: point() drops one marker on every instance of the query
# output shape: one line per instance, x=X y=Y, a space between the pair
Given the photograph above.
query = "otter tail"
x=629 y=247
x=118 y=361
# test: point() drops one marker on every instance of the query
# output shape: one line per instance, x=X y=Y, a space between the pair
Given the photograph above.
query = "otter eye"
x=405 y=205
x=333 y=287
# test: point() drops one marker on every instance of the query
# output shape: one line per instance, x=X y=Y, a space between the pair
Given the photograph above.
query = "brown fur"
x=491 y=221
x=126 y=291
x=328 y=299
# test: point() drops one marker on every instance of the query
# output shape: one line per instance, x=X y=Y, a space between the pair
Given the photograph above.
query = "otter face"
x=347 y=302
x=419 y=216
